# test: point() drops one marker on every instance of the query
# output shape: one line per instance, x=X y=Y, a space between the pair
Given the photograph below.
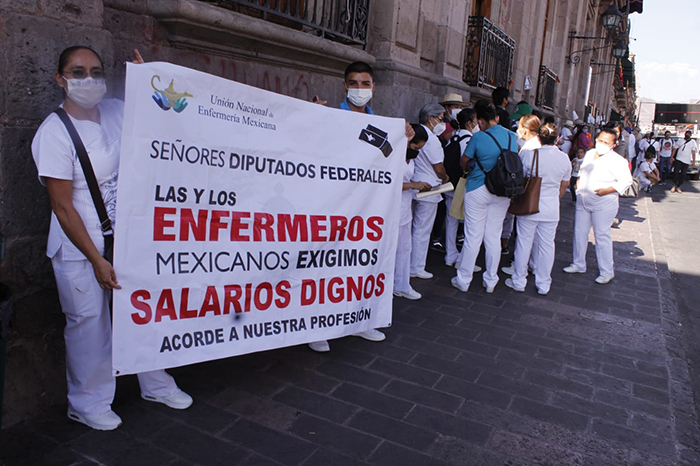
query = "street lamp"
x=612 y=18
x=620 y=49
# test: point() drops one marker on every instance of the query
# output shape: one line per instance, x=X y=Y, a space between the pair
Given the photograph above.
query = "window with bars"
x=546 y=88
x=489 y=54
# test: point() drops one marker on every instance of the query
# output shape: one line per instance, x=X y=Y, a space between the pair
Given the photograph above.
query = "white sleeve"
x=433 y=151
x=53 y=150
x=622 y=175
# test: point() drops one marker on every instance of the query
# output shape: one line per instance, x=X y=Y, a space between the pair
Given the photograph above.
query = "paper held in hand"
x=443 y=188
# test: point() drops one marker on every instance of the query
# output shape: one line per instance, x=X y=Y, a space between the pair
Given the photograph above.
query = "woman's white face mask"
x=86 y=92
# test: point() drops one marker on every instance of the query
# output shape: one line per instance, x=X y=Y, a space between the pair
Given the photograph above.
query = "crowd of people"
x=592 y=168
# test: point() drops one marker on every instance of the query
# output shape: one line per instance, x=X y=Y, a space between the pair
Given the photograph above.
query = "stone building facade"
x=420 y=49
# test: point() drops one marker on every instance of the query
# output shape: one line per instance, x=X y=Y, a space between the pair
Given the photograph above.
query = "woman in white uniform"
x=555 y=170
x=603 y=176
x=76 y=246
x=402 y=267
x=429 y=169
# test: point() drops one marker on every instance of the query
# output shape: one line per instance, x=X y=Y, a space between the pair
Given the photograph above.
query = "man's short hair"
x=499 y=95
x=429 y=110
x=358 y=67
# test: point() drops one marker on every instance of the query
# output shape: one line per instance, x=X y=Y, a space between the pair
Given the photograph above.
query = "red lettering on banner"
x=338 y=226
x=198 y=227
x=166 y=306
x=184 y=302
x=217 y=224
x=295 y=227
x=211 y=302
x=237 y=225
x=285 y=297
x=142 y=306
x=317 y=228
x=374 y=224
x=336 y=293
x=263 y=223
x=160 y=223
x=232 y=297
x=259 y=303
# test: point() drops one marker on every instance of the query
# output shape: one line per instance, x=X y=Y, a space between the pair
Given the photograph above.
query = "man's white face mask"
x=359 y=97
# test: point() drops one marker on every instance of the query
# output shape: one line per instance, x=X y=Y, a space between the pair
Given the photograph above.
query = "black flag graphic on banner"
x=377 y=138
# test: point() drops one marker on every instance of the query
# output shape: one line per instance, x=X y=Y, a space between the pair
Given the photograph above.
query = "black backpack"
x=453 y=154
x=506 y=178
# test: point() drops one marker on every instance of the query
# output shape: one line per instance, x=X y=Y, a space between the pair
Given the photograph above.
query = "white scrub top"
x=554 y=167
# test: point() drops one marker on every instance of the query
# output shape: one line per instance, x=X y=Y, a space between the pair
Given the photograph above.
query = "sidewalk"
x=588 y=375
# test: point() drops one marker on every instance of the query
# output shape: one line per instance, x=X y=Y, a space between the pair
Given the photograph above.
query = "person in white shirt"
x=402 y=267
x=644 y=146
x=566 y=137
x=526 y=132
x=84 y=278
x=647 y=172
x=429 y=169
x=603 y=176
x=683 y=156
x=663 y=156
x=554 y=168
x=631 y=144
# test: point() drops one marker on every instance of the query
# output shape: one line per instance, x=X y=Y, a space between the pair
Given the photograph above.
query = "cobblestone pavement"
x=588 y=375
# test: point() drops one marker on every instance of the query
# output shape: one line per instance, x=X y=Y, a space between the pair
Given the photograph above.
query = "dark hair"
x=499 y=95
x=465 y=116
x=549 y=119
x=536 y=113
x=358 y=67
x=609 y=131
x=421 y=134
x=67 y=53
x=485 y=110
x=650 y=153
x=548 y=134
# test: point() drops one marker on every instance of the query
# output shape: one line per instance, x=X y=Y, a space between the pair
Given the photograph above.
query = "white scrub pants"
x=483 y=222
x=451 y=226
x=644 y=182
x=601 y=220
x=402 y=267
x=535 y=241
x=88 y=336
x=423 y=220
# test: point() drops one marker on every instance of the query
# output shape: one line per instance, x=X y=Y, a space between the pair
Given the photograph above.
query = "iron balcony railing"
x=489 y=54
x=338 y=20
x=546 y=88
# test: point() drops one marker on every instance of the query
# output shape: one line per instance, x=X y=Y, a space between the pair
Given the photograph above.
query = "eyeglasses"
x=82 y=74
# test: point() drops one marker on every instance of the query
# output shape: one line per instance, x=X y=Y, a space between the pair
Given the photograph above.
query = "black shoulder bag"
x=105 y=222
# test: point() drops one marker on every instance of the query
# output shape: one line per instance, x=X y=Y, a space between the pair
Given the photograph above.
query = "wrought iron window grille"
x=546 y=88
x=489 y=55
x=344 y=21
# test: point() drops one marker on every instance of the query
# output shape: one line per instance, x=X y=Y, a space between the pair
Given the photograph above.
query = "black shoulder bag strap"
x=499 y=148
x=105 y=222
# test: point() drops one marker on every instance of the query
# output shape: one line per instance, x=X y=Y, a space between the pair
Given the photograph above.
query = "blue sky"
x=667 y=62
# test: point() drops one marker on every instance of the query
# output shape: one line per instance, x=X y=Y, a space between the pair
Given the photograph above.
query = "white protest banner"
x=247 y=220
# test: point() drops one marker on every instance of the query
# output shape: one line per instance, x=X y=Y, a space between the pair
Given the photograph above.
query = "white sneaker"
x=603 y=279
x=320 y=346
x=371 y=335
x=411 y=294
x=542 y=292
x=456 y=284
x=573 y=269
x=104 y=421
x=422 y=274
x=477 y=269
x=510 y=270
x=451 y=264
x=489 y=289
x=509 y=284
x=178 y=400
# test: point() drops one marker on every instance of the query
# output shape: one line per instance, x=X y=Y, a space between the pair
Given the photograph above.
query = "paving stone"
x=590 y=408
x=633 y=438
x=514 y=387
x=261 y=410
x=474 y=392
x=599 y=381
x=405 y=372
x=635 y=376
x=446 y=424
x=388 y=453
x=352 y=374
x=423 y=396
x=328 y=434
x=386 y=349
x=324 y=457
x=268 y=442
x=547 y=413
x=315 y=404
x=467 y=345
x=558 y=383
x=568 y=359
x=194 y=446
x=632 y=404
x=424 y=347
x=512 y=345
x=652 y=425
x=252 y=460
x=530 y=362
x=373 y=401
x=651 y=394
x=494 y=365
x=453 y=369
x=393 y=430
x=538 y=340
x=532 y=450
x=21 y=448
x=310 y=380
x=450 y=329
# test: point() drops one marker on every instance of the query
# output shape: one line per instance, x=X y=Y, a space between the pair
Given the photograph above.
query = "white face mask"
x=454 y=112
x=86 y=92
x=359 y=97
x=476 y=128
x=439 y=129
x=602 y=149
